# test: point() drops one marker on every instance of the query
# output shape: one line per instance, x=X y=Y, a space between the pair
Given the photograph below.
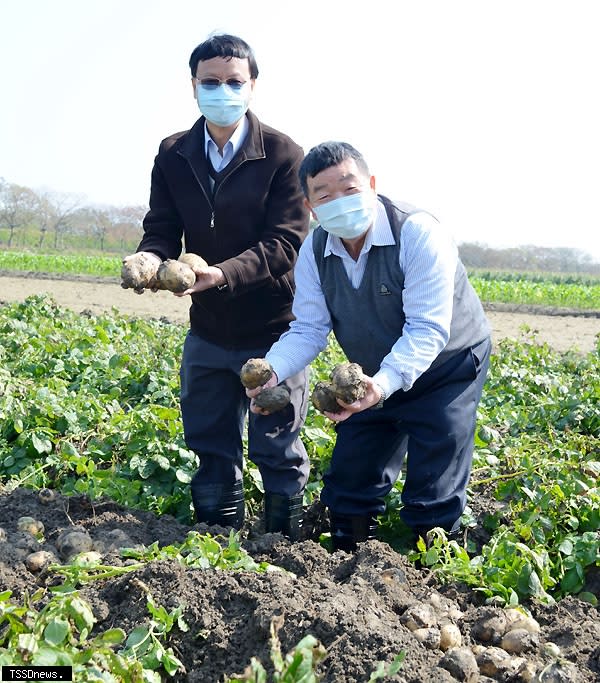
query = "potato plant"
x=89 y=404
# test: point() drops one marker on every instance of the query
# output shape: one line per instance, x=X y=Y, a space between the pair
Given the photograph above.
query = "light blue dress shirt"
x=218 y=160
x=428 y=258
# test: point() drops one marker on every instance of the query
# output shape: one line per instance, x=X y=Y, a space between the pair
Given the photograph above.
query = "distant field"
x=563 y=291
x=543 y=289
x=109 y=266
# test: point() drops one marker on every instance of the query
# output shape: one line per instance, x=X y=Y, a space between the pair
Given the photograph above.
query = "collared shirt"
x=428 y=258
x=218 y=160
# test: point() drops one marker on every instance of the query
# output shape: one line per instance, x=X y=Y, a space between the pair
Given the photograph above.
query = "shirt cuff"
x=385 y=383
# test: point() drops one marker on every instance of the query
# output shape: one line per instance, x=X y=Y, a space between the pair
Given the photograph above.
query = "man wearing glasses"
x=228 y=189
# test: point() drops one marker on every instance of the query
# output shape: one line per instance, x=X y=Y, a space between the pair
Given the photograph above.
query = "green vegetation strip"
x=70 y=264
x=543 y=289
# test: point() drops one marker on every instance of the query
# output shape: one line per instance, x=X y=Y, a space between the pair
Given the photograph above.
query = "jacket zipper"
x=208 y=199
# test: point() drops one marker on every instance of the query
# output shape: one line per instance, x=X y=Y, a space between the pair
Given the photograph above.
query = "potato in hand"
x=273 y=399
x=138 y=271
x=255 y=372
x=175 y=276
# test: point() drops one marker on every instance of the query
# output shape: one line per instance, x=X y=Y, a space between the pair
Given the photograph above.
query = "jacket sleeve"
x=163 y=228
x=286 y=226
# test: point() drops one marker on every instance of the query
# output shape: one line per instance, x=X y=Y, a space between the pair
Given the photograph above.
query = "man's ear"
x=309 y=207
x=372 y=182
x=194 y=86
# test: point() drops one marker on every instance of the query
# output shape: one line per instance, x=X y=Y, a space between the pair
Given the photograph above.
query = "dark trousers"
x=214 y=407
x=434 y=423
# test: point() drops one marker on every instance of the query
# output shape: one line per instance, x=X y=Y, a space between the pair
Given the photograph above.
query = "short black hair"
x=223 y=45
x=326 y=155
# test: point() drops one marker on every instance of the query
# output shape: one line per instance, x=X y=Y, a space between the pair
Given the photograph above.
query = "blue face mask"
x=347 y=217
x=223 y=105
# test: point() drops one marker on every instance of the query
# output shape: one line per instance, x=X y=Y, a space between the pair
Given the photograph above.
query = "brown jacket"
x=252 y=229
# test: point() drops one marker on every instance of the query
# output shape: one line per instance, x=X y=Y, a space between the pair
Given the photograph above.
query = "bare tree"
x=101 y=223
x=17 y=207
x=60 y=208
x=128 y=225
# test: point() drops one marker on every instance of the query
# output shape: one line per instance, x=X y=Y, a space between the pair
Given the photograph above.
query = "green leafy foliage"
x=60 y=634
x=78 y=264
x=567 y=291
x=538 y=447
x=90 y=405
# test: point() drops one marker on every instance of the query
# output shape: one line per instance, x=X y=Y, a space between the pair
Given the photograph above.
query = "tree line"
x=51 y=221
x=54 y=221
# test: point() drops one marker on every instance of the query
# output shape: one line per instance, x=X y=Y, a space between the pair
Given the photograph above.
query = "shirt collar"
x=234 y=142
x=379 y=235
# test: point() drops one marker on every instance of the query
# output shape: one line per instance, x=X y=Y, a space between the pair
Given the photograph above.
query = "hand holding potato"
x=262 y=386
x=349 y=391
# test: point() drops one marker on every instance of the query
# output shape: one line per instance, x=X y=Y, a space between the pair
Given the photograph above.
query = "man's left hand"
x=370 y=399
x=206 y=278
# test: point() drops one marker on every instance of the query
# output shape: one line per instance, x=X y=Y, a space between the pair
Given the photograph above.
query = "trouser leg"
x=274 y=445
x=365 y=463
x=435 y=422
x=440 y=421
x=213 y=405
x=274 y=442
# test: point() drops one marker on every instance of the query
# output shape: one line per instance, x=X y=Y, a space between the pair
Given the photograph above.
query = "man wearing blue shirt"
x=386 y=278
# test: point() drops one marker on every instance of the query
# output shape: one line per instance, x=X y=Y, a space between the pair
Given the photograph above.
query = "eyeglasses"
x=214 y=83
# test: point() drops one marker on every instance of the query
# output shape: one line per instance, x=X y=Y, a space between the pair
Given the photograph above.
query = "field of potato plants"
x=102 y=567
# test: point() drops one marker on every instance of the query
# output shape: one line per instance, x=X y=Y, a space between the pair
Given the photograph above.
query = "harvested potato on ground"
x=39 y=560
x=175 y=276
x=31 y=525
x=323 y=398
x=347 y=381
x=255 y=372
x=46 y=496
x=274 y=398
x=193 y=260
x=138 y=272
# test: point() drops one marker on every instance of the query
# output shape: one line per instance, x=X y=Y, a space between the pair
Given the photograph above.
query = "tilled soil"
x=363 y=608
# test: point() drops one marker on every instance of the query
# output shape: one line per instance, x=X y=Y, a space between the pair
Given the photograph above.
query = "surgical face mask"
x=347 y=217
x=223 y=105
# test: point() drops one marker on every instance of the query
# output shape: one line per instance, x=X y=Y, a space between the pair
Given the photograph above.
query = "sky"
x=485 y=113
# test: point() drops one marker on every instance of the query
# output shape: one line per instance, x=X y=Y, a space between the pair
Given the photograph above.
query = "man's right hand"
x=139 y=271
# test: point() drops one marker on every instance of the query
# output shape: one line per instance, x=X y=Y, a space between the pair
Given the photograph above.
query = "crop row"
x=569 y=291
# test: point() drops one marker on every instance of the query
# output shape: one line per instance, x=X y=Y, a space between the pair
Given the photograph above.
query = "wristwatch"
x=379 y=403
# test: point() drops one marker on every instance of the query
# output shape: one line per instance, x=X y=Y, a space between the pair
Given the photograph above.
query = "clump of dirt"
x=364 y=608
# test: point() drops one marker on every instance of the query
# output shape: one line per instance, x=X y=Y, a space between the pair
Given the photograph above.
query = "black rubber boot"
x=283 y=514
x=348 y=530
x=219 y=504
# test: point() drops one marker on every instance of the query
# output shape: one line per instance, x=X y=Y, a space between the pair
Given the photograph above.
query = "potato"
x=323 y=398
x=46 y=496
x=39 y=560
x=175 y=276
x=71 y=543
x=273 y=399
x=255 y=372
x=193 y=260
x=347 y=381
x=138 y=272
x=32 y=526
